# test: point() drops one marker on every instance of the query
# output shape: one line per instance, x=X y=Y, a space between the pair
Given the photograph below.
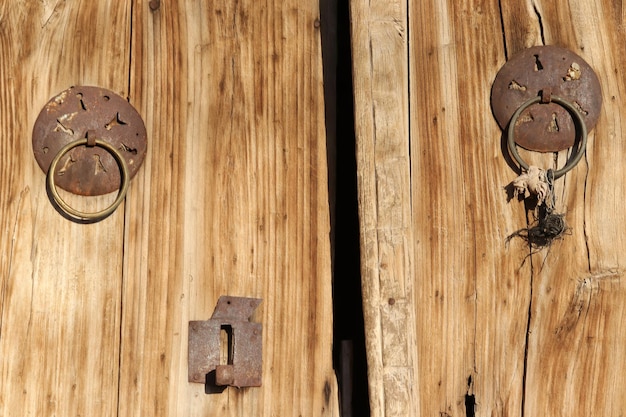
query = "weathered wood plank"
x=576 y=354
x=473 y=295
x=60 y=282
x=473 y=290
x=379 y=44
x=233 y=200
x=448 y=211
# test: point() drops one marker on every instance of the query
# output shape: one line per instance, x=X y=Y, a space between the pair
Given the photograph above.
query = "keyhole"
x=226 y=344
x=79 y=96
x=538 y=65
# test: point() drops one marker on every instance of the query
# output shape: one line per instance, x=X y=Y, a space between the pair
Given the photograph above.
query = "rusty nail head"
x=92 y=113
x=549 y=71
x=244 y=368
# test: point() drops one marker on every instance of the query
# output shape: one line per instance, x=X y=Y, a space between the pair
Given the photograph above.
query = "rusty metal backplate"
x=546 y=127
x=67 y=117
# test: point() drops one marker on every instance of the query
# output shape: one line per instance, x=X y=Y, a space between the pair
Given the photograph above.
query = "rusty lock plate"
x=546 y=127
x=67 y=117
x=243 y=366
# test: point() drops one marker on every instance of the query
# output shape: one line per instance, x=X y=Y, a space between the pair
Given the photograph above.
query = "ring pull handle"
x=578 y=120
x=549 y=126
x=565 y=95
x=66 y=208
x=83 y=119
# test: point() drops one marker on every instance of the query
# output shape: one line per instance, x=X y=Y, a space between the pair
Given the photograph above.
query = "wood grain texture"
x=576 y=354
x=379 y=43
x=472 y=289
x=426 y=307
x=497 y=333
x=233 y=200
x=60 y=282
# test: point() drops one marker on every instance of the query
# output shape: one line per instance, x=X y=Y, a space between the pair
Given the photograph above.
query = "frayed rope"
x=550 y=226
x=534 y=182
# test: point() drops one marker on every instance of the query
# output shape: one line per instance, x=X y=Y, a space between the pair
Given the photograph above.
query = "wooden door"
x=458 y=323
x=232 y=199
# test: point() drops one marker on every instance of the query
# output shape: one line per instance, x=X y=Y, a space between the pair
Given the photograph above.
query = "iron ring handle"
x=578 y=119
x=66 y=208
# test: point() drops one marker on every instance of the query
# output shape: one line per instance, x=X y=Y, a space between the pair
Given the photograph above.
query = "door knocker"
x=546 y=99
x=88 y=141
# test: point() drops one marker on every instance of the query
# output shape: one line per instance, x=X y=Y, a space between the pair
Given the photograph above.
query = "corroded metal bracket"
x=242 y=366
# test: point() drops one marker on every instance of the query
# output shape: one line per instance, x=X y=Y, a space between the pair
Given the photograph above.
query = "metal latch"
x=242 y=365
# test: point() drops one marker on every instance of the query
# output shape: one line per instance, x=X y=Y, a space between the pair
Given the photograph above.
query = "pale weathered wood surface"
x=576 y=351
x=379 y=43
x=60 y=282
x=496 y=333
x=232 y=199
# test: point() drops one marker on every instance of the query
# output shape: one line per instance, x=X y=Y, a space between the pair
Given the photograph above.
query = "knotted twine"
x=539 y=183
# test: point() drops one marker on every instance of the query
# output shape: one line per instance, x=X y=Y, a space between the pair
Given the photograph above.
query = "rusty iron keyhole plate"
x=68 y=117
x=546 y=127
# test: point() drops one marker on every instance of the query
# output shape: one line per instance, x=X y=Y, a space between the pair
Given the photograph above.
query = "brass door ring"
x=66 y=208
x=578 y=120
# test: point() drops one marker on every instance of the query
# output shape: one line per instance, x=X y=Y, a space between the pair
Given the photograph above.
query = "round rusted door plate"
x=89 y=170
x=546 y=127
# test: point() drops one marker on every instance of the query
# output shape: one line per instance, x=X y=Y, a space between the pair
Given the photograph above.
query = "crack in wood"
x=470 y=399
x=540 y=22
